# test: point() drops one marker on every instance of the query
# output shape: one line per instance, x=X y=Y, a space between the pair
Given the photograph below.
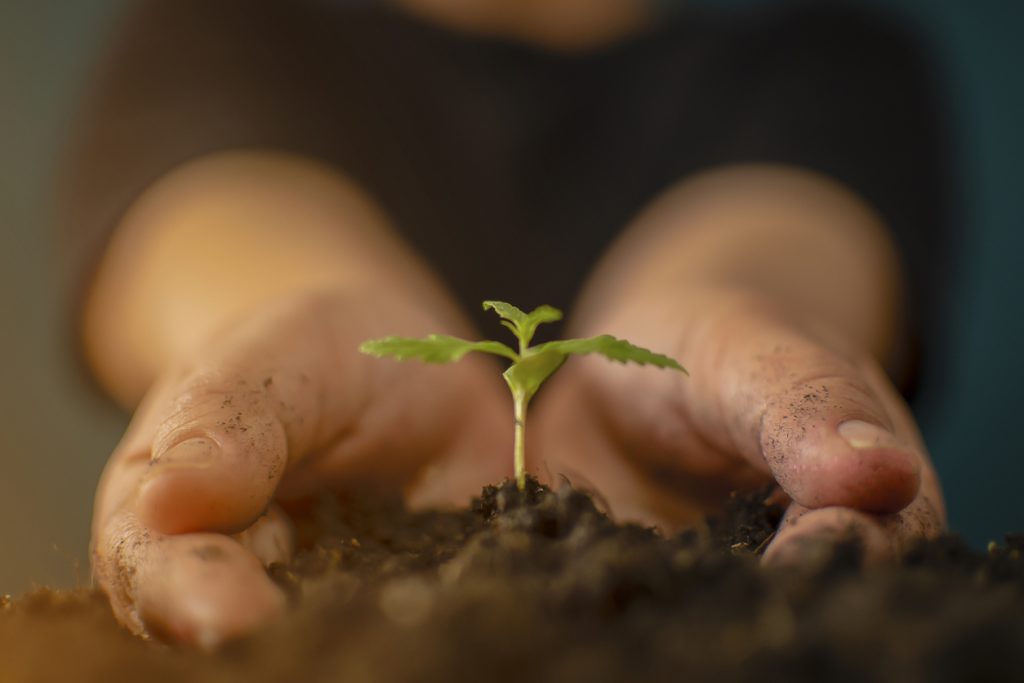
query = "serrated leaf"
x=434 y=348
x=615 y=349
x=513 y=314
x=523 y=325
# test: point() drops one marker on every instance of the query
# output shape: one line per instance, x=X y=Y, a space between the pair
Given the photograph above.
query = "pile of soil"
x=543 y=586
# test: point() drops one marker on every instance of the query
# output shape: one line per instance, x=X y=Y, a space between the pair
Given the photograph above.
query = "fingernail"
x=860 y=434
x=195 y=452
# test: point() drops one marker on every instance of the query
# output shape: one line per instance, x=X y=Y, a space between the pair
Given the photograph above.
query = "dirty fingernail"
x=860 y=434
x=194 y=452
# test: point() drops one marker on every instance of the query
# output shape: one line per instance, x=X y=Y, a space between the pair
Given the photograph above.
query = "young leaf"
x=435 y=348
x=525 y=377
x=523 y=324
x=615 y=349
x=513 y=314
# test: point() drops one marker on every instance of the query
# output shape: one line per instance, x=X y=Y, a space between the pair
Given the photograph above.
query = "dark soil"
x=545 y=587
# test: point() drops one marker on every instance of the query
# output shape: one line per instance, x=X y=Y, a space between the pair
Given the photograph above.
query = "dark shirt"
x=509 y=167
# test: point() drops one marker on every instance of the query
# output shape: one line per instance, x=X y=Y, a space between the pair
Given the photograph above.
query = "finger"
x=808 y=537
x=760 y=393
x=568 y=440
x=200 y=589
x=221 y=435
x=784 y=401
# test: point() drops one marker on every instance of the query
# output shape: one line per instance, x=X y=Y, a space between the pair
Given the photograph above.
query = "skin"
x=777 y=288
x=228 y=307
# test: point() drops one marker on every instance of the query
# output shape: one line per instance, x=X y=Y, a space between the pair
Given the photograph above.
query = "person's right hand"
x=282 y=406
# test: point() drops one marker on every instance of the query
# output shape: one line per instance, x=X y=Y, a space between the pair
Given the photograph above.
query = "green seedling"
x=531 y=365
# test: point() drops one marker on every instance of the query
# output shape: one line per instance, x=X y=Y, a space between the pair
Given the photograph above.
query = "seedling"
x=531 y=365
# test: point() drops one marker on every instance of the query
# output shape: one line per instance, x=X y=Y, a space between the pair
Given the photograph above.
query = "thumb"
x=811 y=416
x=215 y=464
x=222 y=435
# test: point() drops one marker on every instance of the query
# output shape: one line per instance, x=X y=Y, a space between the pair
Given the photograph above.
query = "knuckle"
x=818 y=398
x=211 y=403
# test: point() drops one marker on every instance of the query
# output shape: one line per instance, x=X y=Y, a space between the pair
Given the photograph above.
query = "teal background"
x=974 y=427
x=55 y=436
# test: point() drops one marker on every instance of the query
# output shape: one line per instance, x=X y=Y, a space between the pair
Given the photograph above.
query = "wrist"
x=799 y=242
x=221 y=239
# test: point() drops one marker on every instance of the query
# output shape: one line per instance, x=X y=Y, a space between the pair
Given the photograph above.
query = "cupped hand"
x=766 y=400
x=282 y=406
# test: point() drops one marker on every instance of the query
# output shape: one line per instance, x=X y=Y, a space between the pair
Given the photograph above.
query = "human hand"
x=281 y=407
x=765 y=401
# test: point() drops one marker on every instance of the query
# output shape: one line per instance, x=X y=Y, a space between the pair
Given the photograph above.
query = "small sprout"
x=531 y=365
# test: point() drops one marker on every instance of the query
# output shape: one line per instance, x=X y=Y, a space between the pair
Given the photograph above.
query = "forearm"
x=222 y=237
x=803 y=244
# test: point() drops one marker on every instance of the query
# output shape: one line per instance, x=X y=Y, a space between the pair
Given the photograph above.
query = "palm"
x=627 y=439
x=763 y=403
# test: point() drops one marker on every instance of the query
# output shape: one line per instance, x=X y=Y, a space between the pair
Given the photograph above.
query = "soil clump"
x=542 y=586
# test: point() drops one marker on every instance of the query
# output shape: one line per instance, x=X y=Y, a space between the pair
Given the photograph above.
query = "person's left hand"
x=764 y=401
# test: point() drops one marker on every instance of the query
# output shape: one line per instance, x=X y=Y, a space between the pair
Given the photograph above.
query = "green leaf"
x=525 y=377
x=435 y=348
x=522 y=324
x=513 y=314
x=615 y=349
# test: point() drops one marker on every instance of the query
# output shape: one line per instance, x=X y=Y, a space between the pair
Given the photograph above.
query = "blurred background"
x=55 y=435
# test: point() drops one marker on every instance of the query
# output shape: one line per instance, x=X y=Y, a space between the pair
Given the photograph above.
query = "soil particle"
x=542 y=586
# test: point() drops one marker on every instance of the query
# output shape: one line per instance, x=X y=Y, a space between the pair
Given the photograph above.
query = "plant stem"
x=519 y=459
